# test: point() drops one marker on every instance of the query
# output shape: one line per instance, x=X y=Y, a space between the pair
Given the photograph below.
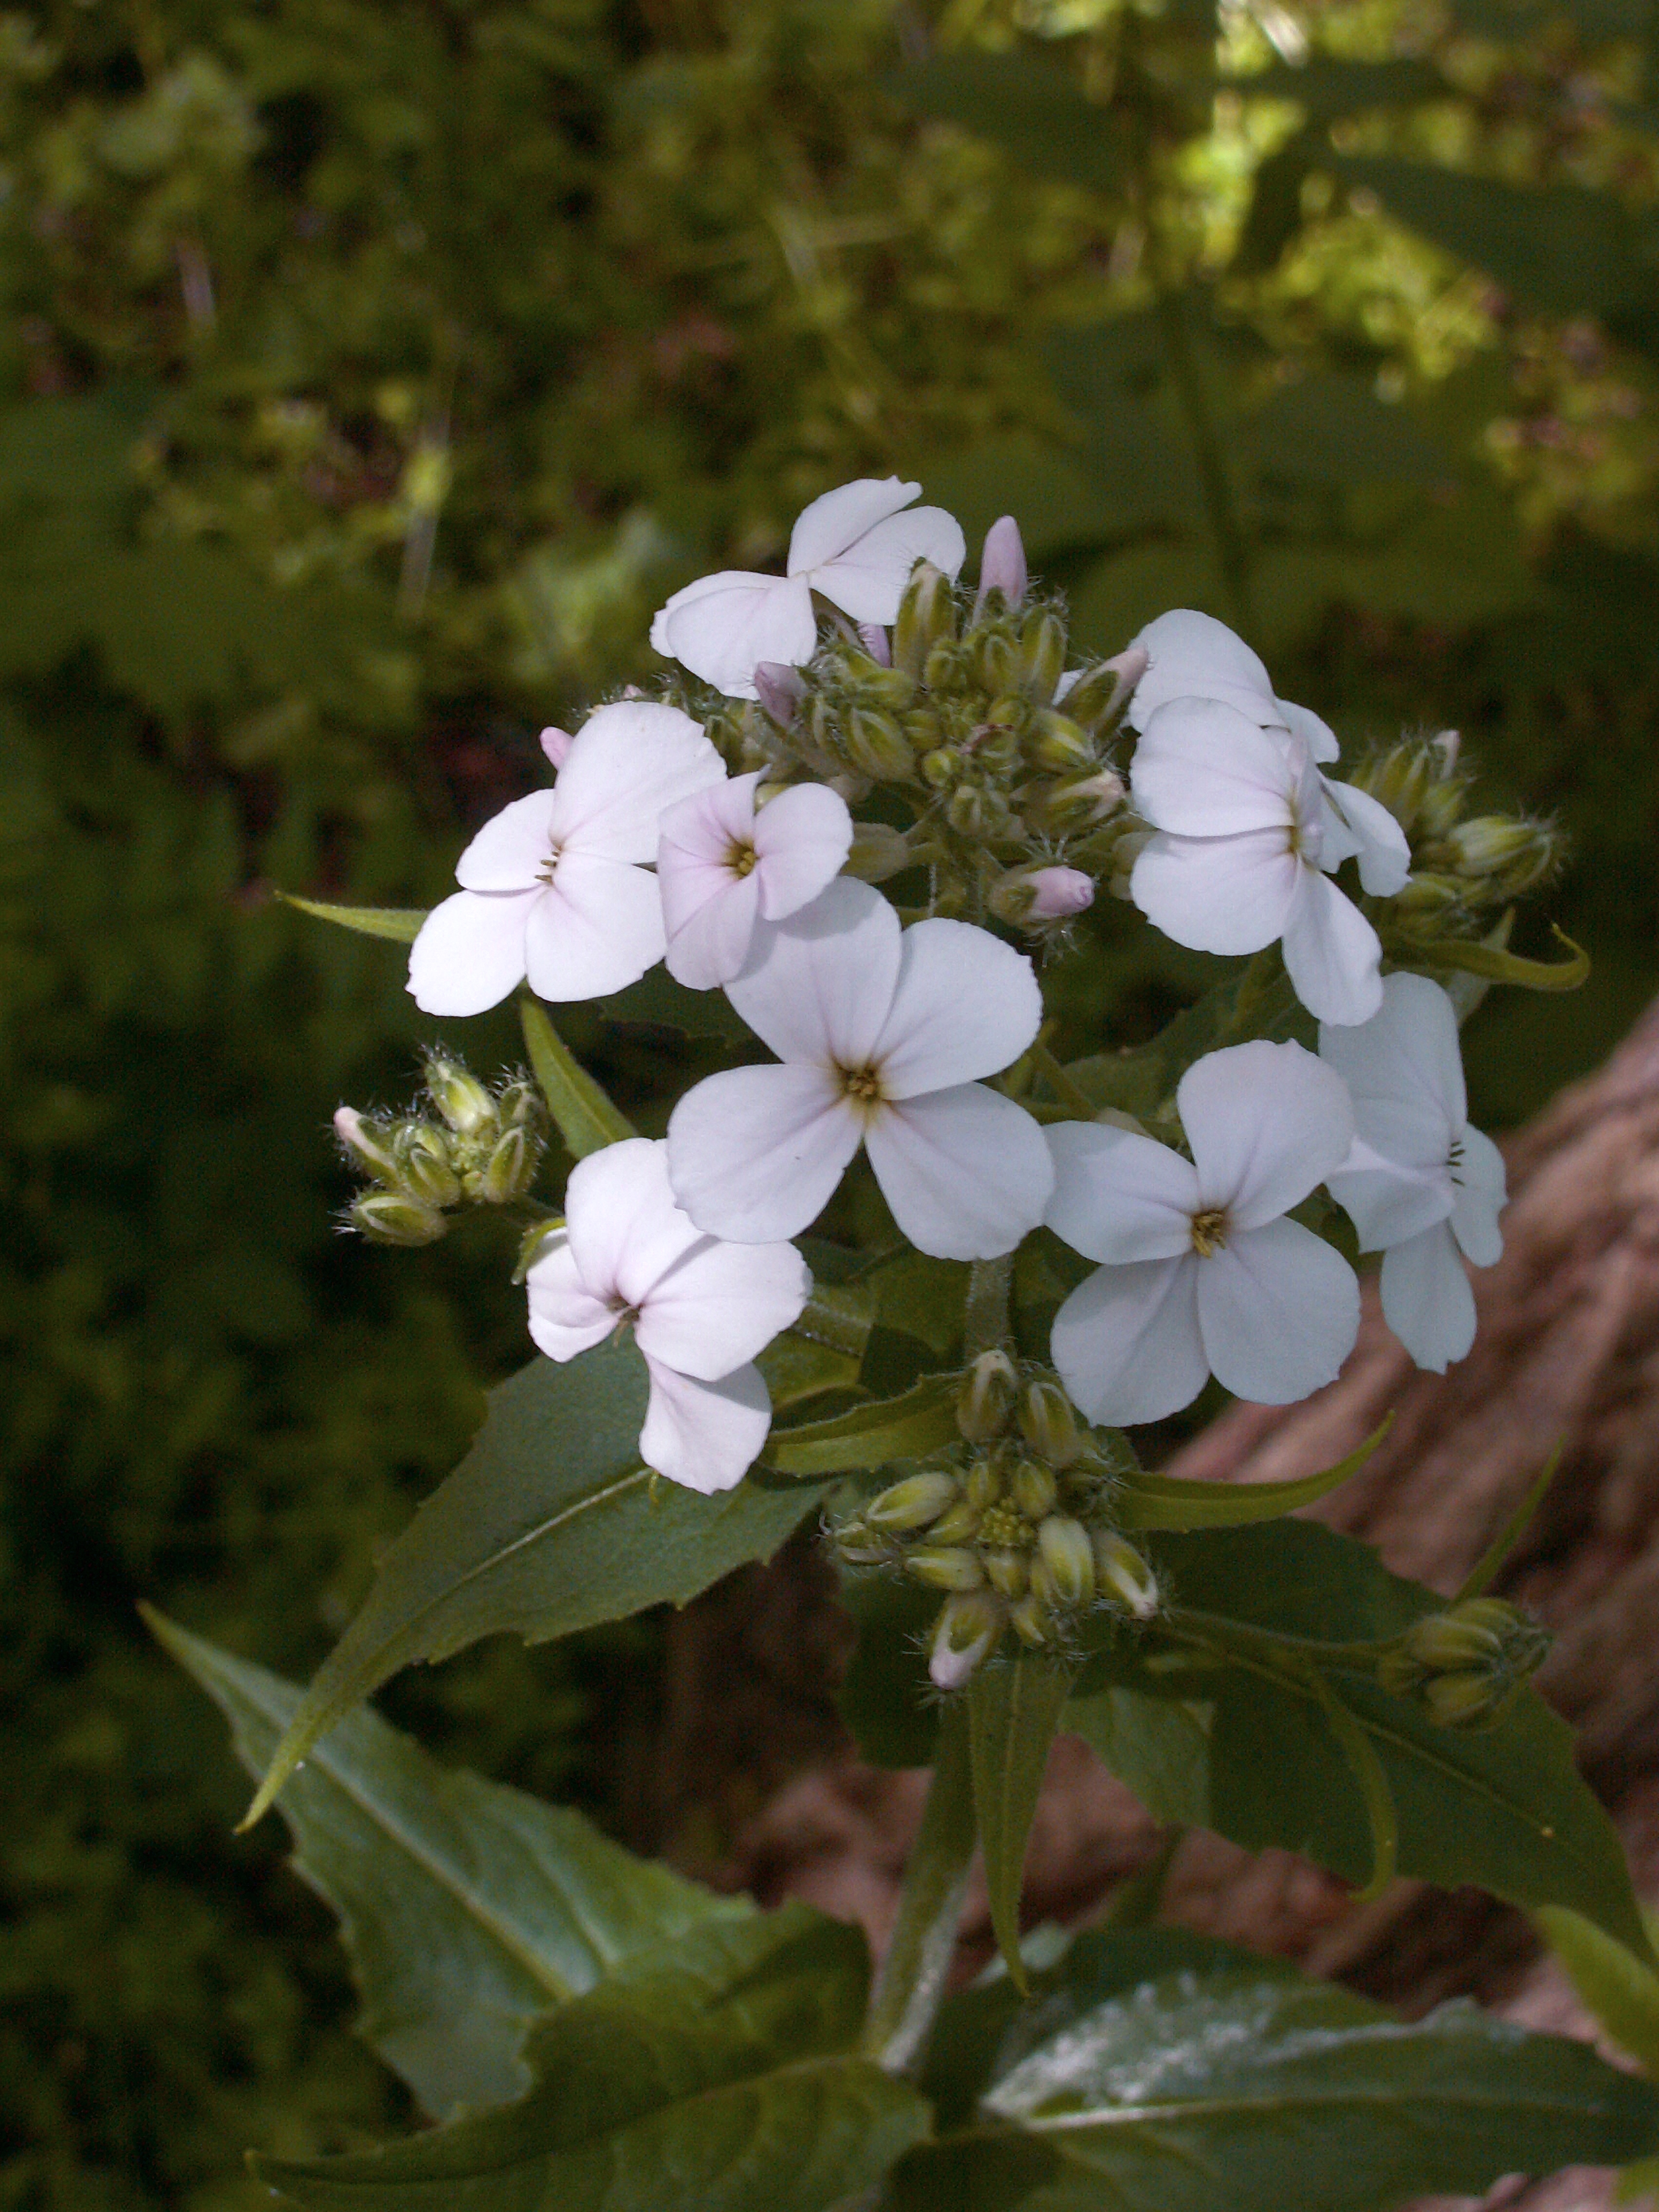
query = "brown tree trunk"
x=1568 y=1351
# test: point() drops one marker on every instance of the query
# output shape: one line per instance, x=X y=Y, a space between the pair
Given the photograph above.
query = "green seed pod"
x=1125 y=1578
x=1033 y=1489
x=1041 y=652
x=389 y=1218
x=986 y=1397
x=1060 y=746
x=967 y=1631
x=876 y=746
x=957 y=1524
x=462 y=1100
x=915 y=1503
x=511 y=1168
x=424 y=1168
x=1047 y=1422
x=1064 y=1547
x=926 y=614
x=945 y=1566
x=1006 y=1571
x=1030 y=1621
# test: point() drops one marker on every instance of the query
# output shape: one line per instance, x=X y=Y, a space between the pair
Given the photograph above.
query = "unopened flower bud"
x=390 y=1218
x=779 y=689
x=511 y=1168
x=1047 y=1422
x=424 y=1168
x=957 y=1524
x=984 y=1485
x=1066 y=1550
x=1427 y=895
x=945 y=1566
x=1518 y=852
x=941 y=767
x=974 y=813
x=1002 y=564
x=942 y=670
x=859 y=1546
x=1125 y=1578
x=365 y=1143
x=914 y=1503
x=1075 y=802
x=876 y=643
x=1098 y=697
x=965 y=1634
x=557 y=744
x=1033 y=1489
x=1060 y=746
x=993 y=662
x=926 y=615
x=1125 y=851
x=1031 y=897
x=520 y=1106
x=987 y=1398
x=1030 y=1621
x=1473 y=1700
x=876 y=747
x=1042 y=652
x=878 y=852
x=1007 y=1571
x=460 y=1096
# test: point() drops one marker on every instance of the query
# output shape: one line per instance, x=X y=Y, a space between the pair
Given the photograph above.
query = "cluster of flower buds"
x=967 y=714
x=1013 y=1524
x=1463 y=868
x=1465 y=1666
x=483 y=1149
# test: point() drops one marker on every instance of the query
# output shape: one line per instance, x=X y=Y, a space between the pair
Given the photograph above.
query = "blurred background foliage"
x=369 y=369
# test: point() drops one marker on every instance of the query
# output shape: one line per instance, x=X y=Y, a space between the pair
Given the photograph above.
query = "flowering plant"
x=912 y=1265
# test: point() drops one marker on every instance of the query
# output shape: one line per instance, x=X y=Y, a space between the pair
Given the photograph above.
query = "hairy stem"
x=985 y=1326
x=910 y=1985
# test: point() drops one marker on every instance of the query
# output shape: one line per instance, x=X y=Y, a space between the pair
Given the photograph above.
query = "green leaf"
x=468 y=1909
x=1247 y=2086
x=582 y=1113
x=548 y=1525
x=1473 y=959
x=1164 y=1501
x=1014 y=1706
x=1325 y=88
x=1505 y=1809
x=402 y=923
x=660 y=1001
x=1032 y=111
x=1158 y=1747
x=1620 y=1991
x=1334 y=432
x=921 y=1421
x=720 y=2082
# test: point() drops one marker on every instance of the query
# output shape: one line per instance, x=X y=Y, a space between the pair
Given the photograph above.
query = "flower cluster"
x=717 y=829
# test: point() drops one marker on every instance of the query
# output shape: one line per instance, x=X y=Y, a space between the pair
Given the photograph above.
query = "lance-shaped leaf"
x=582 y=1113
x=921 y=1421
x=721 y=2083
x=549 y=1524
x=1164 y=1501
x=1620 y=1991
x=1246 y=2086
x=401 y=924
x=1013 y=1710
x=468 y=1909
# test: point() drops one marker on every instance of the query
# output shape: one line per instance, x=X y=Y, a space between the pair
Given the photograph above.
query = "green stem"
x=985 y=1326
x=911 y=1986
x=1060 y=1084
x=1231 y=549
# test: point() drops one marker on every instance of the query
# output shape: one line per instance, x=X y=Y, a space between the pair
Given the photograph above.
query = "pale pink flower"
x=724 y=867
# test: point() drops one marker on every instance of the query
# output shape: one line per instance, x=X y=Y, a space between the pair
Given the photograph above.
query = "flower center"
x=1210 y=1231
x=863 y=1087
x=549 y=866
x=741 y=859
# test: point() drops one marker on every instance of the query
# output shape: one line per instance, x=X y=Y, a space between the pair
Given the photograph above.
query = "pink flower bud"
x=1002 y=563
x=876 y=643
x=779 y=690
x=1058 y=892
x=556 y=744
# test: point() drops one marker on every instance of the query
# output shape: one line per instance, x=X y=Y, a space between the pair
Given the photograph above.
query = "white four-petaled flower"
x=725 y=866
x=1201 y=1273
x=853 y=546
x=700 y=1311
x=882 y=1034
x=1419 y=1184
x=551 y=888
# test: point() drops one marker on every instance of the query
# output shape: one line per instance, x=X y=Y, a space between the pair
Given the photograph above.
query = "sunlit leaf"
x=1014 y=1707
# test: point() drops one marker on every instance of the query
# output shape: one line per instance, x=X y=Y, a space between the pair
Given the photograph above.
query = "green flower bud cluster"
x=483 y=1149
x=1013 y=1526
x=1463 y=867
x=1466 y=1666
x=965 y=729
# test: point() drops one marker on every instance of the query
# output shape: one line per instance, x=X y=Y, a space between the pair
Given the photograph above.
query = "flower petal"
x=1126 y=1342
x=1482 y=1190
x=720 y=1304
x=839 y=518
x=1331 y=952
x=722 y=627
x=1266 y=1122
x=710 y=944
x=565 y=1316
x=704 y=827
x=1278 y=1311
x=705 y=1435
x=755 y=1154
x=1426 y=1298
x=1407 y=1056
x=1388 y=1202
x=1371 y=833
x=966 y=1171
x=801 y=840
x=867 y=581
x=1219 y=894
x=965 y=1005
x=628 y=762
x=624 y=1229
x=512 y=849
x=818 y=986
x=1119 y=1197
x=1302 y=722
x=597 y=928
x=470 y=952
x=1194 y=656
x=1203 y=770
